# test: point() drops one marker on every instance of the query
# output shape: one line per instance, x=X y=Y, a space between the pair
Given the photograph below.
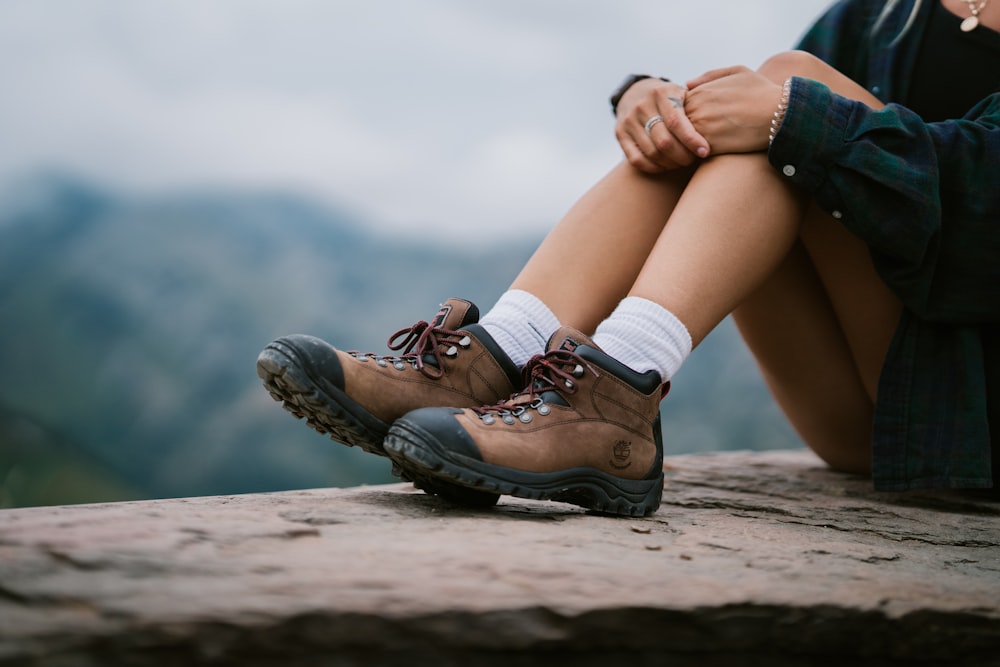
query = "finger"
x=679 y=126
x=682 y=130
x=648 y=142
x=714 y=74
x=660 y=145
x=648 y=154
x=670 y=152
x=638 y=147
x=636 y=130
x=638 y=159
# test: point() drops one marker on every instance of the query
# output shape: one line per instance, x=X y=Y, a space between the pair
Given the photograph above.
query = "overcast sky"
x=455 y=113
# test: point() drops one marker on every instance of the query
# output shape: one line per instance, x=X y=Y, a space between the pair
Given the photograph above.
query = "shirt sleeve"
x=925 y=197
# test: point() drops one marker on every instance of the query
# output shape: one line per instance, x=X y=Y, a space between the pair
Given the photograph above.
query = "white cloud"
x=445 y=112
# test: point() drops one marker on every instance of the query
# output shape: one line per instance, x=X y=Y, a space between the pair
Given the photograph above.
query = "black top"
x=954 y=70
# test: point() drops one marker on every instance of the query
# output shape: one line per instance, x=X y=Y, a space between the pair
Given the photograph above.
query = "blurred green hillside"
x=129 y=328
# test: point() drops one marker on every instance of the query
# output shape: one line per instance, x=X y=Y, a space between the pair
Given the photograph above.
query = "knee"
x=792 y=63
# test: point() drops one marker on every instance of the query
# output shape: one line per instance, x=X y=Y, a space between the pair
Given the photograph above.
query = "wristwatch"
x=629 y=81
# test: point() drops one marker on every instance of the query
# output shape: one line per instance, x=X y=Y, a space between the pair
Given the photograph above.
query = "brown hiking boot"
x=586 y=431
x=354 y=397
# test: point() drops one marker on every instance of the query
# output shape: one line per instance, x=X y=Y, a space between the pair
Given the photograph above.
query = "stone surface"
x=754 y=558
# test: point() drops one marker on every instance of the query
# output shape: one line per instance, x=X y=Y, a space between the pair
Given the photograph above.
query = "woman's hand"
x=732 y=108
x=667 y=144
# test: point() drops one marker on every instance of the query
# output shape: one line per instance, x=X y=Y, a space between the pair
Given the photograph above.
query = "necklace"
x=971 y=23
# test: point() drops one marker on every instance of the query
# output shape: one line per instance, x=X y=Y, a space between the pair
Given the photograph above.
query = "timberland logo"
x=620 y=454
x=441 y=316
x=569 y=345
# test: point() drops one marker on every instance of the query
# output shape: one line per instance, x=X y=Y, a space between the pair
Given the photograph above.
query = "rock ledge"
x=754 y=558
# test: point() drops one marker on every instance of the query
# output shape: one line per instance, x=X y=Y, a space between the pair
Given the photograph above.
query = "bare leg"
x=793 y=332
x=824 y=378
x=810 y=305
x=819 y=329
x=737 y=233
x=608 y=234
x=732 y=227
x=805 y=294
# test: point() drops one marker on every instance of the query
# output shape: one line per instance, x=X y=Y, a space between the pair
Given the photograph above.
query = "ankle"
x=521 y=324
x=645 y=336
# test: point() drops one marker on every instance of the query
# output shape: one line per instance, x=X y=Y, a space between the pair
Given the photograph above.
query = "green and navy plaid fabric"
x=925 y=197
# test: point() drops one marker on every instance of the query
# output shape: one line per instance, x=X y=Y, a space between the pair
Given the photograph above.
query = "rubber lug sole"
x=418 y=452
x=326 y=410
x=329 y=411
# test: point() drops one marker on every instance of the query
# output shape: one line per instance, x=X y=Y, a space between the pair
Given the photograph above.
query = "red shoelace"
x=419 y=340
x=556 y=370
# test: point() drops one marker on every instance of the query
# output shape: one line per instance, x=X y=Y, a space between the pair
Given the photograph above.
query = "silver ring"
x=653 y=121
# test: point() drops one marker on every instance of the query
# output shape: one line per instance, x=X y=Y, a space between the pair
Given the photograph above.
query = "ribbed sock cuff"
x=521 y=324
x=644 y=336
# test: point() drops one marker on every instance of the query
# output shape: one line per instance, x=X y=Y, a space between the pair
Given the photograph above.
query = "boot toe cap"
x=317 y=358
x=440 y=425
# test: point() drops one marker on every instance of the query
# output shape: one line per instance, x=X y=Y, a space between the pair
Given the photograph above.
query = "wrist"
x=624 y=86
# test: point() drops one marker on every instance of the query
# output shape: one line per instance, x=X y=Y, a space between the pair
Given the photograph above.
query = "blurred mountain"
x=129 y=329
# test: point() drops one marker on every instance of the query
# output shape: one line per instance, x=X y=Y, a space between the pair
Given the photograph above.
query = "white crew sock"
x=520 y=324
x=644 y=336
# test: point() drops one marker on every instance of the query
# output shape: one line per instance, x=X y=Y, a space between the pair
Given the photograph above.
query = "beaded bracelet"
x=779 y=114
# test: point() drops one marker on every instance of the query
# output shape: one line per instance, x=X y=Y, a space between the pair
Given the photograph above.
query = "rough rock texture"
x=753 y=559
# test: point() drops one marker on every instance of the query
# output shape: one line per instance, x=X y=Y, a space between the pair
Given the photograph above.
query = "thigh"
x=590 y=260
x=794 y=332
x=866 y=310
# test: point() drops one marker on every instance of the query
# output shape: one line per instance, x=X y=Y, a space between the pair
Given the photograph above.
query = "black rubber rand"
x=417 y=451
x=324 y=406
x=329 y=411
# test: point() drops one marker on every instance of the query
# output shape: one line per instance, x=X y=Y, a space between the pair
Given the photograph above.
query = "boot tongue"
x=455 y=314
x=568 y=339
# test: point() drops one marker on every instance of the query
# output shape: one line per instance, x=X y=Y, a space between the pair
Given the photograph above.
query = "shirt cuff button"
x=788 y=170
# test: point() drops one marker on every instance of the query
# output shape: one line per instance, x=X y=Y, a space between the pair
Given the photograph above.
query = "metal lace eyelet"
x=508 y=419
x=465 y=343
x=381 y=362
x=525 y=417
x=544 y=409
x=361 y=358
x=451 y=351
x=399 y=365
x=488 y=419
x=578 y=371
x=569 y=384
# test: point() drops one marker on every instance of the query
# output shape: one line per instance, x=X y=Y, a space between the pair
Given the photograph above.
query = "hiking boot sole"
x=329 y=411
x=418 y=452
x=326 y=409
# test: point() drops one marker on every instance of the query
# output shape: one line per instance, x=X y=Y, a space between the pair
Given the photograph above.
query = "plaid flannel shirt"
x=925 y=197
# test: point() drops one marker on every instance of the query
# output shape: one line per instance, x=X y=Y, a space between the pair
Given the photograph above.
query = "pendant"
x=970 y=24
